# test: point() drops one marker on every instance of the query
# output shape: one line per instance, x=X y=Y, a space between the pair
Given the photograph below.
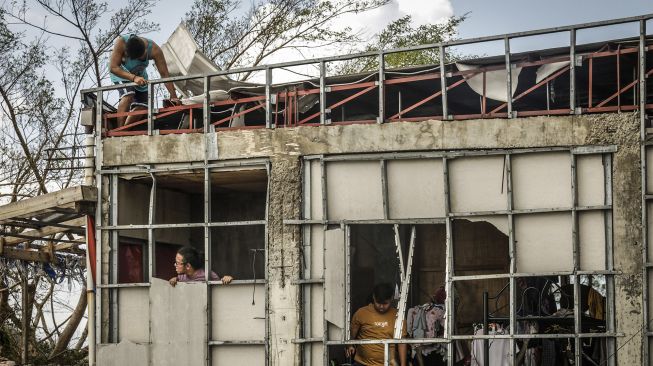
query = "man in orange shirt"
x=376 y=321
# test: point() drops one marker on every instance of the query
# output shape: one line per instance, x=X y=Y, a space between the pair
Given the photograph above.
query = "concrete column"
x=283 y=259
x=623 y=131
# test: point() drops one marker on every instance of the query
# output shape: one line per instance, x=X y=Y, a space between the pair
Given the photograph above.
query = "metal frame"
x=110 y=229
x=293 y=117
x=310 y=223
x=645 y=196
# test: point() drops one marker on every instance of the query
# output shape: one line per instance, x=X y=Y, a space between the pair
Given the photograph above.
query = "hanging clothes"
x=595 y=303
x=499 y=350
x=427 y=321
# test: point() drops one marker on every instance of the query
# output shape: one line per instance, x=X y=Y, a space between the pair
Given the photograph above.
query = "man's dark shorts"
x=140 y=97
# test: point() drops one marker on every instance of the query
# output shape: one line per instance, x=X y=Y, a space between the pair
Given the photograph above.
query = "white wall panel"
x=649 y=170
x=317 y=251
x=415 y=188
x=244 y=355
x=591 y=181
x=334 y=276
x=317 y=311
x=234 y=318
x=178 y=323
x=354 y=190
x=499 y=222
x=541 y=180
x=134 y=314
x=591 y=238
x=543 y=242
x=125 y=353
x=477 y=183
x=649 y=278
x=649 y=231
x=315 y=189
x=317 y=354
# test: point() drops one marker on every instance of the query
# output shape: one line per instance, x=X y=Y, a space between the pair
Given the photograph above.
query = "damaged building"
x=506 y=193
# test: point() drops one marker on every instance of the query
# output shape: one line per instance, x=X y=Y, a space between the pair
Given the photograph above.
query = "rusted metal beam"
x=337 y=104
x=220 y=121
x=622 y=90
x=529 y=90
x=432 y=96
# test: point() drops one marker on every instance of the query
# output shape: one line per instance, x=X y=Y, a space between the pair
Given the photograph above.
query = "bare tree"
x=39 y=151
x=85 y=18
x=232 y=40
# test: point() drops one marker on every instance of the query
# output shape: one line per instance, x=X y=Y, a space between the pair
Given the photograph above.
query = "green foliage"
x=402 y=34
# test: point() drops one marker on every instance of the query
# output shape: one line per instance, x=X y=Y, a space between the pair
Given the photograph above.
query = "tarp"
x=184 y=57
x=495 y=81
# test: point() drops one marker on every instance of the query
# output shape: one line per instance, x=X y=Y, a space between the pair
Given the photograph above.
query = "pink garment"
x=427 y=321
x=197 y=276
x=435 y=318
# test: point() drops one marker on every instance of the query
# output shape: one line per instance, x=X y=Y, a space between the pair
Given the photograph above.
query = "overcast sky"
x=485 y=17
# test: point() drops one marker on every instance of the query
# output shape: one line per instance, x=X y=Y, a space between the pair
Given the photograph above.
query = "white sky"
x=485 y=18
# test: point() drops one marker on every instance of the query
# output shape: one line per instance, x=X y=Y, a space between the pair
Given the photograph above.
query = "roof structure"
x=38 y=228
x=602 y=78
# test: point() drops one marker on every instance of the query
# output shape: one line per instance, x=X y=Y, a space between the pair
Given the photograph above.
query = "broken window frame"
x=307 y=282
x=108 y=288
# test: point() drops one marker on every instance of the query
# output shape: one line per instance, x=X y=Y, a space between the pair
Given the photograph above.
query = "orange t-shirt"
x=373 y=325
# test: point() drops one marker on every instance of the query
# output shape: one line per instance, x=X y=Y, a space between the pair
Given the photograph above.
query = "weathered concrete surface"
x=401 y=136
x=285 y=146
x=283 y=258
x=623 y=131
x=172 y=148
x=125 y=353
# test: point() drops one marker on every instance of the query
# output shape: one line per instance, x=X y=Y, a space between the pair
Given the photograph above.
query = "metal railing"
x=267 y=105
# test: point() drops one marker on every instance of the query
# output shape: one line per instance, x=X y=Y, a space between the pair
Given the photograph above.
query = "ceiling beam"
x=46 y=231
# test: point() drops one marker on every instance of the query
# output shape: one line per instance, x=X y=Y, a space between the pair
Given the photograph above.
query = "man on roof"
x=129 y=59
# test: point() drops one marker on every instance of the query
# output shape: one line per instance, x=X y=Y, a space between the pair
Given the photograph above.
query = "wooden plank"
x=32 y=255
x=46 y=231
x=26 y=255
x=64 y=246
x=48 y=202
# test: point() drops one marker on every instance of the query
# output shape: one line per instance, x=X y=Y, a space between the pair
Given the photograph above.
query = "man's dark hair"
x=134 y=47
x=383 y=292
x=191 y=256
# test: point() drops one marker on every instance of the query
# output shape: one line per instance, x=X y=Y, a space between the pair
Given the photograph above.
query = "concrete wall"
x=284 y=147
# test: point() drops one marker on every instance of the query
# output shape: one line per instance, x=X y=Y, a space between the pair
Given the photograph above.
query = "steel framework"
x=308 y=223
x=277 y=105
